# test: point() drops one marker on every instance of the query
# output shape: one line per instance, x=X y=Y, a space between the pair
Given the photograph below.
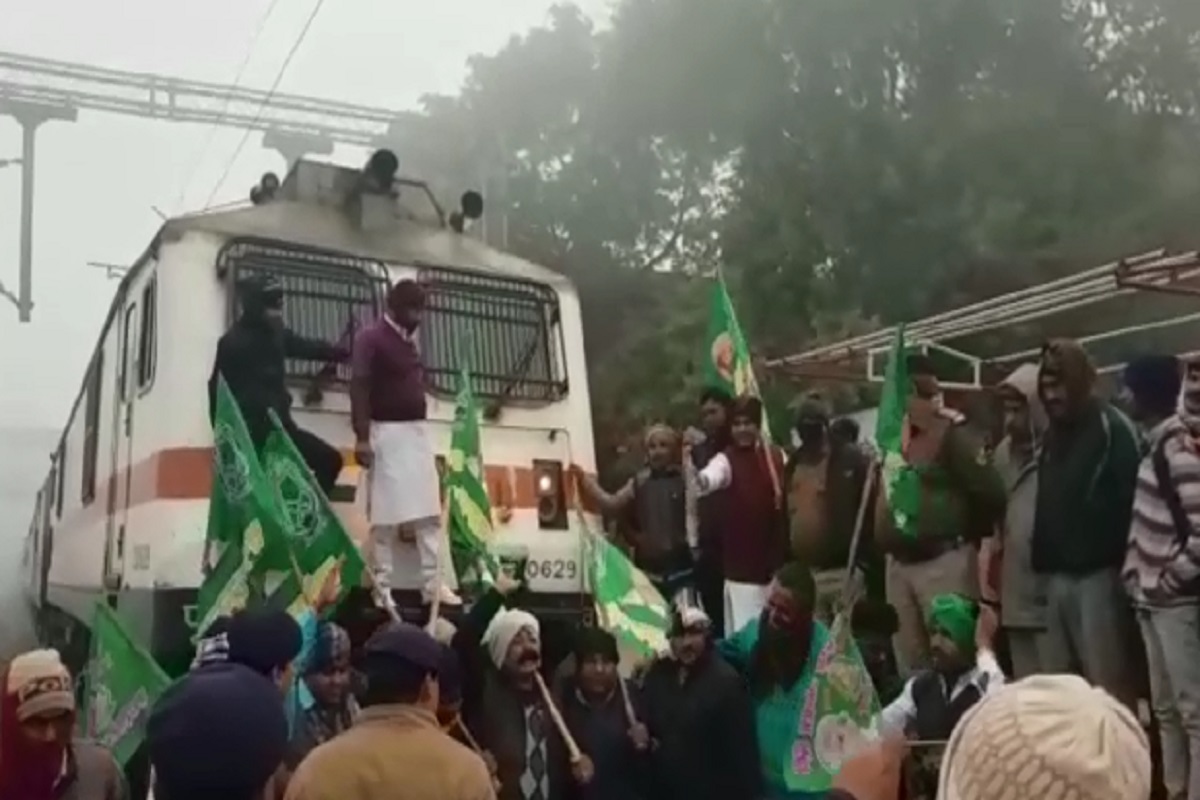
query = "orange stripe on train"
x=185 y=473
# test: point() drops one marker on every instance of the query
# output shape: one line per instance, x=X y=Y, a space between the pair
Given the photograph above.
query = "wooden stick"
x=573 y=750
x=435 y=605
x=629 y=712
x=466 y=732
x=860 y=519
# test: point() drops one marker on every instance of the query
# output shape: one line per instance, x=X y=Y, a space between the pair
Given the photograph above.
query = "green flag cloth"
x=838 y=715
x=627 y=604
x=315 y=535
x=246 y=527
x=727 y=363
x=470 y=509
x=901 y=483
x=122 y=684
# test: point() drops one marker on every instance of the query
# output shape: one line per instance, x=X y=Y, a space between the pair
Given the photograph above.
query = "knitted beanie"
x=41 y=683
x=1050 y=737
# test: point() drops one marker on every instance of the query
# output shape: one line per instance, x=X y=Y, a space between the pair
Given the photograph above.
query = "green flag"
x=245 y=524
x=727 y=363
x=470 y=510
x=901 y=483
x=315 y=534
x=838 y=715
x=627 y=604
x=122 y=684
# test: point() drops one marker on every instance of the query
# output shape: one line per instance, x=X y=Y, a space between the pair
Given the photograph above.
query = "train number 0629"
x=551 y=569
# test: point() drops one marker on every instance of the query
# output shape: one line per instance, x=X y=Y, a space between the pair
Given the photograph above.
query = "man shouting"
x=387 y=409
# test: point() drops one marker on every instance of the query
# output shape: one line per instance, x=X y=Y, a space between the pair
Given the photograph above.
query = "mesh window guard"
x=505 y=330
x=327 y=296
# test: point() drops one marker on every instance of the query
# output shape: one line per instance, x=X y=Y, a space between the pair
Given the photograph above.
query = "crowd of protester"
x=1045 y=618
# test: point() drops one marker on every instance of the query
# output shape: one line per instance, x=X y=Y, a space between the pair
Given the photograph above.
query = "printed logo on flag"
x=298 y=495
x=232 y=467
x=722 y=355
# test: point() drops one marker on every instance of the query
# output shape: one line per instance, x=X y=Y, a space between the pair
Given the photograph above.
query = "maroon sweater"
x=753 y=540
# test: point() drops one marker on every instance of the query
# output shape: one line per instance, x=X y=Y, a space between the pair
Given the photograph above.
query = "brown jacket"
x=92 y=774
x=394 y=752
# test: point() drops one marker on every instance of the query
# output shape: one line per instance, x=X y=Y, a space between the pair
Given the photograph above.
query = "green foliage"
x=843 y=161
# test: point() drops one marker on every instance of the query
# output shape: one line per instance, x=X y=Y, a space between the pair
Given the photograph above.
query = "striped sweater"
x=1159 y=570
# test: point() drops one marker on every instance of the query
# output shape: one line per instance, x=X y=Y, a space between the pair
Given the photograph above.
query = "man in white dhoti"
x=387 y=401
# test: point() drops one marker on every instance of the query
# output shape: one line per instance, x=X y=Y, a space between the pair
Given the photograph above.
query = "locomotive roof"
x=406 y=243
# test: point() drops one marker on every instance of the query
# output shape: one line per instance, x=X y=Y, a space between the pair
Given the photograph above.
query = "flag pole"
x=573 y=751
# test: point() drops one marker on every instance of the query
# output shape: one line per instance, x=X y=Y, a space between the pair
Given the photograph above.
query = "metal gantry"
x=1083 y=293
x=35 y=90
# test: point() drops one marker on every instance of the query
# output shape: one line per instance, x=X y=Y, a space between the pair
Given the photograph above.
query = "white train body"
x=124 y=509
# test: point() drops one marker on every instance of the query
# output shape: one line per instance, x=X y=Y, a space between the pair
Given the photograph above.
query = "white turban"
x=1051 y=737
x=504 y=628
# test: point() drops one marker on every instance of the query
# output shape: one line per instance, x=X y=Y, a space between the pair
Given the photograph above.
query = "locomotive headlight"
x=551 y=503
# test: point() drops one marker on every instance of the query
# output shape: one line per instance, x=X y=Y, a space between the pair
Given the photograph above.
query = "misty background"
x=845 y=164
x=98 y=177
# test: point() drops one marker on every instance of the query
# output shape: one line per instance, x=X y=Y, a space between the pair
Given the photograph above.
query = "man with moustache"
x=1087 y=471
x=777 y=654
x=700 y=718
x=251 y=357
x=513 y=722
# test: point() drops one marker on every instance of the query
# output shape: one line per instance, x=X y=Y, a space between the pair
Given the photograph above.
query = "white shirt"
x=986 y=676
x=716 y=475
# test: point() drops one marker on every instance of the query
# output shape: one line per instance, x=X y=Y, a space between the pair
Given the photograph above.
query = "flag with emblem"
x=470 y=509
x=901 y=483
x=123 y=682
x=316 y=540
x=727 y=363
x=839 y=714
x=243 y=518
x=627 y=604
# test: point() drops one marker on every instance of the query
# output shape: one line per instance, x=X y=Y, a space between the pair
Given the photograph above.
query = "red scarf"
x=27 y=770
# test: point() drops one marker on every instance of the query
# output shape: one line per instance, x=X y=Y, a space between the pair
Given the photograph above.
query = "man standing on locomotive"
x=251 y=356
x=387 y=409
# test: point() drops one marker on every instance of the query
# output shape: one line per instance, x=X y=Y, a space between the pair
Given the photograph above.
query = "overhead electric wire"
x=237 y=81
x=312 y=17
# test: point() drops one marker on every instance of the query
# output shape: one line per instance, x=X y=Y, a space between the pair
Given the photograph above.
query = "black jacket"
x=251 y=356
x=705 y=741
x=602 y=733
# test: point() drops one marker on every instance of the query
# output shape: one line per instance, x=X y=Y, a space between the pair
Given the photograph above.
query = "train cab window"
x=61 y=463
x=147 y=353
x=124 y=377
x=506 y=330
x=91 y=429
x=326 y=296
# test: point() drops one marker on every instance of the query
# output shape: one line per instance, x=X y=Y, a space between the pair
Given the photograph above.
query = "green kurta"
x=777 y=716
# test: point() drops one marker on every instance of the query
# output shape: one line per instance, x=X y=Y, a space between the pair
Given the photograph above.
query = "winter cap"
x=1154 y=381
x=1050 y=737
x=220 y=731
x=332 y=646
x=689 y=619
x=40 y=683
x=407 y=643
x=591 y=642
x=504 y=628
x=265 y=640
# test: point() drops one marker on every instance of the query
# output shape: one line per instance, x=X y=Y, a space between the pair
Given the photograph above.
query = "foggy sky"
x=98 y=177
